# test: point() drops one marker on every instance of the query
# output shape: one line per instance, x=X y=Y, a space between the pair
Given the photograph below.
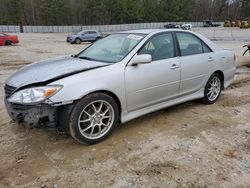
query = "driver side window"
x=159 y=47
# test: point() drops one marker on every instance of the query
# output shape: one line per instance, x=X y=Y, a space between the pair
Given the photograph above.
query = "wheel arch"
x=222 y=76
x=7 y=42
x=111 y=94
x=77 y=39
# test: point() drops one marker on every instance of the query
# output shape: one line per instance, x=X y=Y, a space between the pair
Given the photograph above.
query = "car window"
x=92 y=32
x=189 y=44
x=206 y=49
x=2 y=35
x=112 y=48
x=159 y=47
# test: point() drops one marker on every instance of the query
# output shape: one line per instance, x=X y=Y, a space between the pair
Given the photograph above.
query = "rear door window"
x=189 y=44
x=206 y=49
x=92 y=32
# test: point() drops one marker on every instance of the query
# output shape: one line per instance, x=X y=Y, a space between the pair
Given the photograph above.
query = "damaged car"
x=116 y=79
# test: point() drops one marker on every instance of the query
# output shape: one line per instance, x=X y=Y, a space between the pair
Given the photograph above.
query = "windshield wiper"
x=87 y=58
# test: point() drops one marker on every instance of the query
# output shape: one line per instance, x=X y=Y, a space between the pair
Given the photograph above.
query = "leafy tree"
x=54 y=12
x=94 y=12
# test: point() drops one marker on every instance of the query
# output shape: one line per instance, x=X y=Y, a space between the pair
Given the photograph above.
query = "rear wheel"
x=97 y=38
x=93 y=118
x=213 y=89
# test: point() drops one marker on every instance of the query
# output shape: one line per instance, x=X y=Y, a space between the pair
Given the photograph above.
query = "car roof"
x=151 y=31
x=89 y=30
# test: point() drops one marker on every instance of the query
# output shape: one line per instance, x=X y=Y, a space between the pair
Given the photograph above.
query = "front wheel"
x=8 y=43
x=213 y=89
x=77 y=41
x=93 y=118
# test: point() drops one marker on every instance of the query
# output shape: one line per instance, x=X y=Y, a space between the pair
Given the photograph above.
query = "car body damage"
x=50 y=69
x=43 y=73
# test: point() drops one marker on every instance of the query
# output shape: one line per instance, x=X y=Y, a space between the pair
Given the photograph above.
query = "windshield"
x=78 y=33
x=112 y=48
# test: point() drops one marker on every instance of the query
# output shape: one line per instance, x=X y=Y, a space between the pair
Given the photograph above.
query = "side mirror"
x=142 y=59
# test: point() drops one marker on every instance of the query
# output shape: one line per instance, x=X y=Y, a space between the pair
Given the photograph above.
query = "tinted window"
x=189 y=44
x=159 y=47
x=92 y=32
x=206 y=49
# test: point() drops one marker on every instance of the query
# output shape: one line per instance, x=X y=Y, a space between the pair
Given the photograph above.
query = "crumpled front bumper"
x=32 y=115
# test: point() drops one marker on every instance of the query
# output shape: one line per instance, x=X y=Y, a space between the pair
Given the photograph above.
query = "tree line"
x=96 y=12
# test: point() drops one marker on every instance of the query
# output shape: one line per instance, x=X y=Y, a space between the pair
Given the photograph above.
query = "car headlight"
x=34 y=95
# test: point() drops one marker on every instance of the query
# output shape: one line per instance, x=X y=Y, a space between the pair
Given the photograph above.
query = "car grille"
x=9 y=90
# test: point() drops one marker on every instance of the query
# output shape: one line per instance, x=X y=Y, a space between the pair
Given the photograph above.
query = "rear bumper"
x=229 y=77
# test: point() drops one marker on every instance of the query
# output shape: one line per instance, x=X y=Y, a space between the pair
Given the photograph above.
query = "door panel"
x=194 y=72
x=85 y=36
x=152 y=83
x=158 y=81
x=195 y=60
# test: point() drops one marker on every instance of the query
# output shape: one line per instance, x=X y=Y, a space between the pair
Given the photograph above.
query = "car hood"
x=49 y=70
x=72 y=36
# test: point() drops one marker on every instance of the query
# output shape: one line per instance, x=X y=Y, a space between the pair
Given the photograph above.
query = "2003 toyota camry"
x=118 y=78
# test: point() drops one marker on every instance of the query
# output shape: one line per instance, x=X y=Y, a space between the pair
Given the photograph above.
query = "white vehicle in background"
x=186 y=26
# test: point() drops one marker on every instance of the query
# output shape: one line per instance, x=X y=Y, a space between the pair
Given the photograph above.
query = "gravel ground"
x=189 y=146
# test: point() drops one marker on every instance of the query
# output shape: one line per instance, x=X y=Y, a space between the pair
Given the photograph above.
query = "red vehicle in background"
x=6 y=39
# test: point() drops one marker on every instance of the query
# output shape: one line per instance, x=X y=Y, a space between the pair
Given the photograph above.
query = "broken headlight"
x=34 y=95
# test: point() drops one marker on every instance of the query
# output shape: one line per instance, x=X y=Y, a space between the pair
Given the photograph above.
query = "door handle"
x=174 y=66
x=210 y=59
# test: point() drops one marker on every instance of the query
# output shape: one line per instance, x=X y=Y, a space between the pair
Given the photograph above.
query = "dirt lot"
x=188 y=146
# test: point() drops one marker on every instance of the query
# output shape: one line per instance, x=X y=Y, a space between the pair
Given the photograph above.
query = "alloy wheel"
x=214 y=88
x=96 y=119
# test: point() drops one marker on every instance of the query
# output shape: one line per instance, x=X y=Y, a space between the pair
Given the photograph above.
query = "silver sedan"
x=118 y=78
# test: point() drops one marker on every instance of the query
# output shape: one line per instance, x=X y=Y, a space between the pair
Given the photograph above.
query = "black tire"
x=97 y=38
x=8 y=43
x=209 y=99
x=77 y=41
x=77 y=114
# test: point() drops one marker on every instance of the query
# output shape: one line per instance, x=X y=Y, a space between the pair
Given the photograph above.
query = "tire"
x=93 y=118
x=213 y=89
x=8 y=43
x=97 y=38
x=77 y=41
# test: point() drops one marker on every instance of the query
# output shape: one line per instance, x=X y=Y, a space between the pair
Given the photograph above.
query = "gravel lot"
x=189 y=146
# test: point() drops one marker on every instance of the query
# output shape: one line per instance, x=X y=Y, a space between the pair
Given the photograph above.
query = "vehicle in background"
x=6 y=39
x=209 y=23
x=116 y=79
x=84 y=36
x=227 y=23
x=186 y=26
x=1 y=42
x=245 y=24
x=238 y=23
x=171 y=26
